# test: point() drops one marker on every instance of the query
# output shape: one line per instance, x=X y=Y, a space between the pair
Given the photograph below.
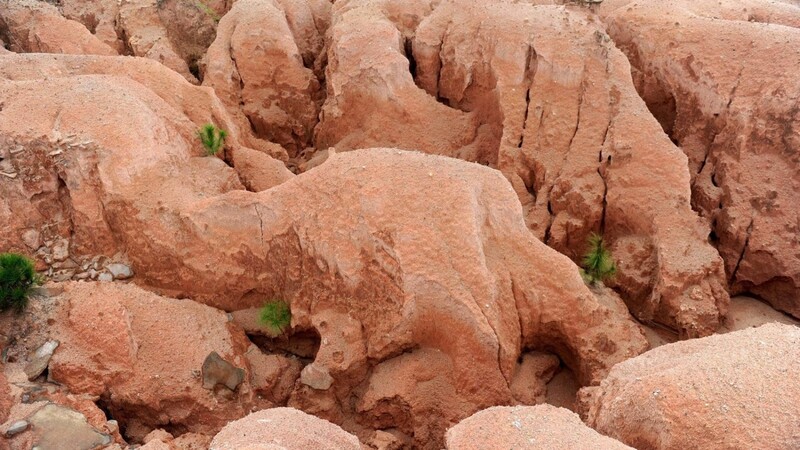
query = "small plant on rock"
x=212 y=138
x=276 y=316
x=598 y=264
x=208 y=10
x=17 y=277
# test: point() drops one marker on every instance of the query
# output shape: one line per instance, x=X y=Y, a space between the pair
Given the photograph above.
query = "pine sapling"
x=598 y=264
x=17 y=277
x=276 y=317
x=212 y=138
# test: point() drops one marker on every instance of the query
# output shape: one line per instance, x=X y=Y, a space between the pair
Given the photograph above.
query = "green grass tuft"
x=209 y=11
x=212 y=138
x=598 y=264
x=276 y=316
x=17 y=277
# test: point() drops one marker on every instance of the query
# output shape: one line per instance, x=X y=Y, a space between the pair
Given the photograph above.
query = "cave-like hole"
x=103 y=403
x=662 y=105
x=659 y=100
x=562 y=389
x=194 y=67
x=408 y=48
x=301 y=344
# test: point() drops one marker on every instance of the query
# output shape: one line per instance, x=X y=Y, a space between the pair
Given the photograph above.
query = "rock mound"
x=708 y=72
x=262 y=63
x=542 y=94
x=30 y=26
x=141 y=355
x=283 y=429
x=526 y=427
x=736 y=390
x=173 y=32
x=398 y=290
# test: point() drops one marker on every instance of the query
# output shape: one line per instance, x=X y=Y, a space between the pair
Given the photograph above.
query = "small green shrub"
x=17 y=277
x=208 y=10
x=276 y=316
x=212 y=138
x=598 y=264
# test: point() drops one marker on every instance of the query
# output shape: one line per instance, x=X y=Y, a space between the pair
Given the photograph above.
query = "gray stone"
x=61 y=250
x=63 y=275
x=16 y=428
x=105 y=276
x=66 y=264
x=316 y=377
x=32 y=238
x=119 y=271
x=56 y=426
x=40 y=359
x=218 y=371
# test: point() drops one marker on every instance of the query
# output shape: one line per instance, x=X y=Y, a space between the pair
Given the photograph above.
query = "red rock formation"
x=542 y=94
x=200 y=105
x=283 y=428
x=723 y=391
x=532 y=427
x=30 y=26
x=372 y=100
x=259 y=171
x=172 y=32
x=71 y=184
x=58 y=164
x=259 y=61
x=709 y=72
x=147 y=37
x=141 y=355
x=334 y=244
x=161 y=440
x=424 y=288
x=98 y=16
x=417 y=276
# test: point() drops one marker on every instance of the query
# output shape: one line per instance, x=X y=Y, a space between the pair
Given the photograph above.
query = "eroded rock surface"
x=725 y=391
x=529 y=427
x=30 y=26
x=200 y=105
x=541 y=93
x=116 y=345
x=64 y=184
x=263 y=61
x=283 y=429
x=149 y=25
x=400 y=290
x=99 y=17
x=372 y=100
x=709 y=73
x=419 y=291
